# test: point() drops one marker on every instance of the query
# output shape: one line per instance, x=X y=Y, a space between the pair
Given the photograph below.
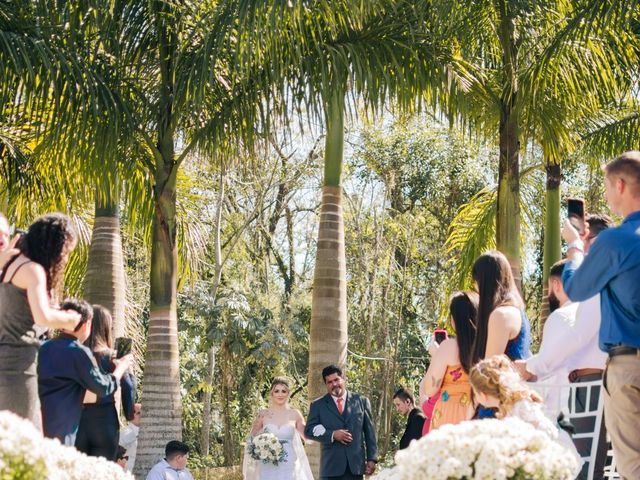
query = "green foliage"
x=409 y=178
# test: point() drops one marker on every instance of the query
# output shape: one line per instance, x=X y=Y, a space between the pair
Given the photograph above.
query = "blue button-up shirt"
x=66 y=369
x=612 y=269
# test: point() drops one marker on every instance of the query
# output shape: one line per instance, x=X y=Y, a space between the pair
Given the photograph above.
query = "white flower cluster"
x=26 y=455
x=484 y=450
x=267 y=448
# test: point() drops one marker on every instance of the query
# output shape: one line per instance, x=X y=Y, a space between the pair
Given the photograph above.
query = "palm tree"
x=522 y=54
x=377 y=49
x=157 y=86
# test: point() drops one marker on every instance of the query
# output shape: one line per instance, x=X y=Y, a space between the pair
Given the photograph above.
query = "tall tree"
x=523 y=57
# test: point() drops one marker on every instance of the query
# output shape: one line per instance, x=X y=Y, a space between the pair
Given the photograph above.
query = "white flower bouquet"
x=493 y=449
x=266 y=448
x=26 y=455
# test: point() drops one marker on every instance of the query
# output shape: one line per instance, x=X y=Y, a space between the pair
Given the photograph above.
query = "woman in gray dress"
x=27 y=284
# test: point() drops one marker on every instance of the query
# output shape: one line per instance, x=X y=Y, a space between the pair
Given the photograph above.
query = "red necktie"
x=340 y=407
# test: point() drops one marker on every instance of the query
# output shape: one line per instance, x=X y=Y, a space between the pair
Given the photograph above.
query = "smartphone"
x=123 y=346
x=440 y=335
x=575 y=213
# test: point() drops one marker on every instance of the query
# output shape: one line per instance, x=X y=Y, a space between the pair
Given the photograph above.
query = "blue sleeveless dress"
x=520 y=347
x=517 y=349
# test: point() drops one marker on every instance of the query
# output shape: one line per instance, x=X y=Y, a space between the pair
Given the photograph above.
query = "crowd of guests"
x=592 y=333
x=64 y=383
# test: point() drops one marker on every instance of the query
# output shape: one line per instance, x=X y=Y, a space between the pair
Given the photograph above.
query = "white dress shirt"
x=546 y=363
x=570 y=340
x=163 y=471
x=129 y=440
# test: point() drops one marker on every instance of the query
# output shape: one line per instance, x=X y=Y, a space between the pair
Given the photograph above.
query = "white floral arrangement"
x=266 y=448
x=491 y=449
x=26 y=455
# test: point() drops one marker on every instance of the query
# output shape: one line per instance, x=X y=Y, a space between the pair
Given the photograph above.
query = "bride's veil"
x=250 y=466
x=303 y=469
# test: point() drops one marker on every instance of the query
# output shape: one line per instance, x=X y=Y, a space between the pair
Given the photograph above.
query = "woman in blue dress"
x=502 y=324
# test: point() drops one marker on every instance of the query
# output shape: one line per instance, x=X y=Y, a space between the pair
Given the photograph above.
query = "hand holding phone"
x=575 y=213
x=123 y=346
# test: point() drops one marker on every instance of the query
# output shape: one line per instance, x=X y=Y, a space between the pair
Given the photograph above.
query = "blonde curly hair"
x=495 y=376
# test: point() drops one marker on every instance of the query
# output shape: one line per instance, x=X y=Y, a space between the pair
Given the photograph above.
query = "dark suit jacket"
x=415 y=422
x=356 y=418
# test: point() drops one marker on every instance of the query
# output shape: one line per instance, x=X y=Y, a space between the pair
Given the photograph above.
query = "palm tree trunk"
x=105 y=278
x=508 y=208
x=162 y=406
x=551 y=252
x=328 y=335
x=162 y=412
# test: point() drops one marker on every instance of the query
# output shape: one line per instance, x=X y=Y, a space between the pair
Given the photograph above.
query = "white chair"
x=563 y=398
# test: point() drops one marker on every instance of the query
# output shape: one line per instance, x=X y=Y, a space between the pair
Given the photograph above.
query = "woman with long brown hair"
x=99 y=429
x=502 y=326
x=29 y=284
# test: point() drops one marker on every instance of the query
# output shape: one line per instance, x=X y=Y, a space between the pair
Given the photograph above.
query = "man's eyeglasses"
x=126 y=457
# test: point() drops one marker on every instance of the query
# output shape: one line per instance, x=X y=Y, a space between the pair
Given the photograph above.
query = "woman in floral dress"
x=448 y=372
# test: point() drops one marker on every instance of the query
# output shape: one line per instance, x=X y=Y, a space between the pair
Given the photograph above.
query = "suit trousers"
x=345 y=476
x=622 y=412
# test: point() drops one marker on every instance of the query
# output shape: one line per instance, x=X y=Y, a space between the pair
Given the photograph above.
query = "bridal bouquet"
x=507 y=449
x=266 y=448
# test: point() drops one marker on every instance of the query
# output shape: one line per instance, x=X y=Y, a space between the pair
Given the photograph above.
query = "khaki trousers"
x=622 y=412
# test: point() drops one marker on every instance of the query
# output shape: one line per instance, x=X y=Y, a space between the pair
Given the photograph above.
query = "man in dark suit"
x=341 y=422
x=403 y=401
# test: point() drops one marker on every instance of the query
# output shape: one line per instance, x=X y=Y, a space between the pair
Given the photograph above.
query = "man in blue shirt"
x=612 y=269
x=66 y=369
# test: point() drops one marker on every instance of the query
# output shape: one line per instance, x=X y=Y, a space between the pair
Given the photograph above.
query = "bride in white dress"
x=287 y=424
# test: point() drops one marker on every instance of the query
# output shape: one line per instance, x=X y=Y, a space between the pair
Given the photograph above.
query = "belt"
x=583 y=372
x=615 y=351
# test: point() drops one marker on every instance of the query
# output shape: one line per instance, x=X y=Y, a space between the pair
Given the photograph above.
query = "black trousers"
x=587 y=424
x=99 y=431
x=345 y=476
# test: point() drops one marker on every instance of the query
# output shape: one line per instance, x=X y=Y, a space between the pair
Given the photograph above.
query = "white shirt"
x=129 y=440
x=582 y=348
x=570 y=340
x=546 y=363
x=163 y=471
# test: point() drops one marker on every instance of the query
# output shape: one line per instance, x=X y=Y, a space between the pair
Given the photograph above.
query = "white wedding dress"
x=294 y=467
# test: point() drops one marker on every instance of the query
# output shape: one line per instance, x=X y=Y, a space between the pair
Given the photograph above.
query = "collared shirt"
x=163 y=471
x=65 y=370
x=612 y=269
x=560 y=322
x=570 y=340
x=129 y=440
x=344 y=400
